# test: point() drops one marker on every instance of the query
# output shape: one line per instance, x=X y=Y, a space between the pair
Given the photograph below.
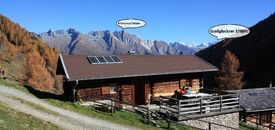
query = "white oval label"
x=228 y=31
x=130 y=23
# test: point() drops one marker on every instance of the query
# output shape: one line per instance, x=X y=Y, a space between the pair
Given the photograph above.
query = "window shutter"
x=183 y=82
x=105 y=89
x=195 y=83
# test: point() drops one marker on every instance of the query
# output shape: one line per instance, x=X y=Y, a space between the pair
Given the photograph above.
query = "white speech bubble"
x=130 y=23
x=228 y=31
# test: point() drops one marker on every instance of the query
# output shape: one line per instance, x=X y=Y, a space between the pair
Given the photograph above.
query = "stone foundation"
x=231 y=120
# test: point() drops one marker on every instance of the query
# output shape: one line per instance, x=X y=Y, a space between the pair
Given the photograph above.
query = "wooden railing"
x=115 y=104
x=198 y=107
x=165 y=101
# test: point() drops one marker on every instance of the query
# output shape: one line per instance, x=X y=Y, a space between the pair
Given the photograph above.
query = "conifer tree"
x=229 y=77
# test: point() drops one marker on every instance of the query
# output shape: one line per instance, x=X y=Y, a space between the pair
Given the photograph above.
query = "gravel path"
x=63 y=118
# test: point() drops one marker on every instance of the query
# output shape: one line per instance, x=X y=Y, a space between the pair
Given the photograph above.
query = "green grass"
x=120 y=117
x=13 y=84
x=13 y=120
x=244 y=126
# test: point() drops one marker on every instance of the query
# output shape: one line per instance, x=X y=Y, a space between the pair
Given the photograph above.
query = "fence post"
x=148 y=114
x=160 y=103
x=178 y=109
x=168 y=117
x=112 y=108
x=257 y=120
x=239 y=98
x=209 y=126
x=167 y=108
x=169 y=125
x=168 y=121
x=201 y=105
x=270 y=120
x=220 y=103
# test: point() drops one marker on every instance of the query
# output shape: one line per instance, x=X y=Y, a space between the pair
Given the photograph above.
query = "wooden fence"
x=199 y=107
x=115 y=104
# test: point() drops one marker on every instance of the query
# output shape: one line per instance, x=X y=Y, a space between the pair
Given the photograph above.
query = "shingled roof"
x=257 y=100
x=78 y=67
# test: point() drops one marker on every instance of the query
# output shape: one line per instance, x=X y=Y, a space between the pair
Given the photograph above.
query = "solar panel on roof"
x=101 y=59
x=116 y=58
x=104 y=59
x=109 y=59
x=93 y=59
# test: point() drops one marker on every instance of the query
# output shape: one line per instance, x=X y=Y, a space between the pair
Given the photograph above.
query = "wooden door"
x=139 y=92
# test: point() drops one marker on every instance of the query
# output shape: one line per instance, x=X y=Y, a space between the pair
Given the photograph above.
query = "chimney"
x=131 y=52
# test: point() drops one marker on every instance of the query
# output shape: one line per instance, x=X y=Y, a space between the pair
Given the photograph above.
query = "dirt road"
x=66 y=119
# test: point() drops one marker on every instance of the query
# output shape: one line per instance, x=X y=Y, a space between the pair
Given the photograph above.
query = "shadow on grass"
x=44 y=95
x=161 y=125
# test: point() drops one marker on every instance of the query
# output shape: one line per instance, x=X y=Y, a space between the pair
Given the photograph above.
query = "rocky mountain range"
x=71 y=41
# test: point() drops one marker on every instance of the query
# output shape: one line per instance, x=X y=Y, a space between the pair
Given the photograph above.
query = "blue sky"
x=168 y=20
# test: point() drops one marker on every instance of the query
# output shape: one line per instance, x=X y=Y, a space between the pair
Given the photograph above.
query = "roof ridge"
x=205 y=61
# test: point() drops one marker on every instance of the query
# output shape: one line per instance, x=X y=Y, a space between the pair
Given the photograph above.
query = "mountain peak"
x=107 y=42
x=100 y=33
x=50 y=32
x=72 y=31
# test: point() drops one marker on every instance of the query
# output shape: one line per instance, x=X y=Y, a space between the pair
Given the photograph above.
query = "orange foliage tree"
x=36 y=72
x=37 y=61
x=11 y=52
x=229 y=77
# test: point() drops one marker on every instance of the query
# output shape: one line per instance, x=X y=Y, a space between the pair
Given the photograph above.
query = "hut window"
x=113 y=88
x=105 y=89
x=109 y=89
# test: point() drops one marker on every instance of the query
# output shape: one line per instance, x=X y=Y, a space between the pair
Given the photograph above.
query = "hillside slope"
x=256 y=52
x=25 y=58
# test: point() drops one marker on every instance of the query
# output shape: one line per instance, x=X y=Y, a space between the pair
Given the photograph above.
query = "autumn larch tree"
x=37 y=74
x=229 y=78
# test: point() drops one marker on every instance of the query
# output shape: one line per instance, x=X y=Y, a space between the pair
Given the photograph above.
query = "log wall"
x=132 y=90
x=127 y=94
x=124 y=93
x=166 y=88
x=86 y=94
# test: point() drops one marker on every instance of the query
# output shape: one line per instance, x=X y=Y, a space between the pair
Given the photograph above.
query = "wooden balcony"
x=185 y=109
